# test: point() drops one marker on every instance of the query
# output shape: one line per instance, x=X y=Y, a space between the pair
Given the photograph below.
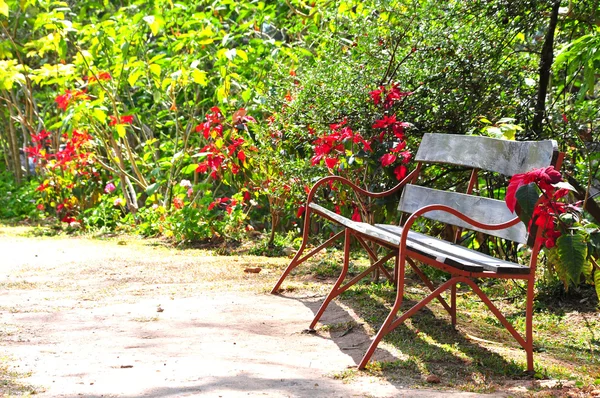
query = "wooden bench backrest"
x=482 y=153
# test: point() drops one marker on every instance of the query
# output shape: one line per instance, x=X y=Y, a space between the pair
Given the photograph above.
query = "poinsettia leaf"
x=587 y=270
x=527 y=196
x=565 y=185
x=572 y=252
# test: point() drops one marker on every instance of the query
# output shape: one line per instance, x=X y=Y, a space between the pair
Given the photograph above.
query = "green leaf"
x=242 y=54
x=199 y=77
x=572 y=253
x=527 y=196
x=133 y=77
x=493 y=131
x=152 y=188
x=587 y=270
x=246 y=95
x=121 y=130
x=154 y=23
x=3 y=8
x=509 y=134
x=189 y=169
x=100 y=115
x=597 y=283
x=155 y=69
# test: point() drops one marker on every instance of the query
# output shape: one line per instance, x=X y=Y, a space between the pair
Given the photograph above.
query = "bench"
x=464 y=211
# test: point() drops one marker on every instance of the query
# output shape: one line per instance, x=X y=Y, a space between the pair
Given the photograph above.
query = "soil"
x=130 y=318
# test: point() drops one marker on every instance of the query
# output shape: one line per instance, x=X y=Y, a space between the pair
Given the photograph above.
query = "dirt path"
x=81 y=317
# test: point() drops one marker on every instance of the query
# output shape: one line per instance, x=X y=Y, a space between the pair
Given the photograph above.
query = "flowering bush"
x=345 y=151
x=71 y=181
x=570 y=241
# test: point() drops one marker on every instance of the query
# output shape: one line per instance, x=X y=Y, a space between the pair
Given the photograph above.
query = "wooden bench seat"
x=463 y=211
x=443 y=251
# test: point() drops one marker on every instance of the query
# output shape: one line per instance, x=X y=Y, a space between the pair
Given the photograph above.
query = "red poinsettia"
x=543 y=177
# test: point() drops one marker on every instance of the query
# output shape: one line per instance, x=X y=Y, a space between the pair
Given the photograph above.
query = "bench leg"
x=334 y=290
x=385 y=328
x=299 y=259
x=453 y=304
x=529 y=323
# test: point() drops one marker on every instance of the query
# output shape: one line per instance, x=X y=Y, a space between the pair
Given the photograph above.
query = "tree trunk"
x=546 y=60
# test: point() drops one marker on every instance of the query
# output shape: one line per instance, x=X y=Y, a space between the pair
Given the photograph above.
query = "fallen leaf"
x=254 y=270
x=433 y=379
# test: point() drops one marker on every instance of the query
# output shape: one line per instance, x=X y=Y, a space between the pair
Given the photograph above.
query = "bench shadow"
x=426 y=343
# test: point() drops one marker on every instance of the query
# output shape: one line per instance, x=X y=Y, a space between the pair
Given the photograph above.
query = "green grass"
x=10 y=383
x=480 y=355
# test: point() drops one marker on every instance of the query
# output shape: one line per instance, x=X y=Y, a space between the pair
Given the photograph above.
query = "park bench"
x=464 y=211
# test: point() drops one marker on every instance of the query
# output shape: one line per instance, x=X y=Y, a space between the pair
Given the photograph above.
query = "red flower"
x=387 y=159
x=376 y=95
x=543 y=177
x=40 y=137
x=68 y=97
x=394 y=95
x=331 y=162
x=400 y=172
x=300 y=211
x=202 y=167
x=178 y=203
x=247 y=196
x=356 y=215
x=68 y=219
x=103 y=76
x=241 y=156
x=336 y=126
x=114 y=120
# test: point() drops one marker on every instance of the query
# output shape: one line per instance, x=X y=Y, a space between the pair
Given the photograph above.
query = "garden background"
x=208 y=122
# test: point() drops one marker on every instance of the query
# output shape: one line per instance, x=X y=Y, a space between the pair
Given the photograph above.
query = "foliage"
x=17 y=201
x=569 y=239
x=248 y=103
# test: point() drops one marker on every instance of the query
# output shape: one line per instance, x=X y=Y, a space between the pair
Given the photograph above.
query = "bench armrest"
x=357 y=189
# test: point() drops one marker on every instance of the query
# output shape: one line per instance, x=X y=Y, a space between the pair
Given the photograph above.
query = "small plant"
x=571 y=242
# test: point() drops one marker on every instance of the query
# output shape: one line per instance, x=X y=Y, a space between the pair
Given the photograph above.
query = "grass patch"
x=480 y=355
x=10 y=380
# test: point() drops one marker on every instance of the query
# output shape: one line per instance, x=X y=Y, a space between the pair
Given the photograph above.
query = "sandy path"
x=83 y=318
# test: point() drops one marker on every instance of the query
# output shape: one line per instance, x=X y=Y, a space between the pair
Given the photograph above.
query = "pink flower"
x=185 y=184
x=190 y=192
x=109 y=188
x=118 y=202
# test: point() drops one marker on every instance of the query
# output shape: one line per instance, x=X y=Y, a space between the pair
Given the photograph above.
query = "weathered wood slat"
x=484 y=210
x=502 y=156
x=393 y=239
x=489 y=263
